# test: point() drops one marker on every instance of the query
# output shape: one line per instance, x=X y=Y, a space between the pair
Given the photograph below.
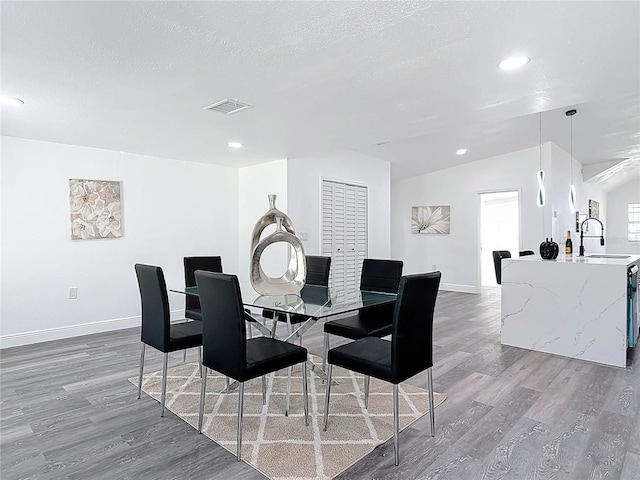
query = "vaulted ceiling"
x=410 y=82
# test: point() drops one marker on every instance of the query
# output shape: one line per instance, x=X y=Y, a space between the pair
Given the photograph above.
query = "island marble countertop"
x=574 y=306
x=596 y=259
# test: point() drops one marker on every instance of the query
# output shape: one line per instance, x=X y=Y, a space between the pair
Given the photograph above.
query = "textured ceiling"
x=324 y=76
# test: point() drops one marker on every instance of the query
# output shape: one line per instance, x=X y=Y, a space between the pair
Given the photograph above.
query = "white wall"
x=563 y=218
x=457 y=255
x=305 y=179
x=256 y=183
x=616 y=226
x=171 y=209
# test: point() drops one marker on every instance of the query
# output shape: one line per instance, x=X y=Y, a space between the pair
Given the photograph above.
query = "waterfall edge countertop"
x=575 y=306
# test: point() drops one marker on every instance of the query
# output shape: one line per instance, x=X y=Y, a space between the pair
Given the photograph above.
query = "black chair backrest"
x=381 y=275
x=524 y=253
x=191 y=264
x=498 y=255
x=318 y=270
x=412 y=334
x=317 y=274
x=223 y=325
x=155 y=306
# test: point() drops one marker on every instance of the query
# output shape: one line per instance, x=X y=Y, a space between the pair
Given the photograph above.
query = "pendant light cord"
x=572 y=189
x=540 y=130
x=540 y=162
x=571 y=147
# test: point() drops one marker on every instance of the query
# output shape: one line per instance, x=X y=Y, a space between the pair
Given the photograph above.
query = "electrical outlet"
x=433 y=267
x=73 y=293
x=304 y=236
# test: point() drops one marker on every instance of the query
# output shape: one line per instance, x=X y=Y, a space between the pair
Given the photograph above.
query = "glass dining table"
x=313 y=301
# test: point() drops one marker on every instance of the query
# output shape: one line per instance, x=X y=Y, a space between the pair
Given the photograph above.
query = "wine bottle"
x=568 y=246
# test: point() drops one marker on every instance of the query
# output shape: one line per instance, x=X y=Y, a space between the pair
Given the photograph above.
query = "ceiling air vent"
x=228 y=106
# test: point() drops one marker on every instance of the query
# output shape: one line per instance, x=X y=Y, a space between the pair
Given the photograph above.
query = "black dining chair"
x=525 y=253
x=192 y=302
x=157 y=330
x=191 y=264
x=318 y=269
x=227 y=350
x=498 y=255
x=377 y=276
x=409 y=352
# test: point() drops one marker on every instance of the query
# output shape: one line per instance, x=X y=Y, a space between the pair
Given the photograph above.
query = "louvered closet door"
x=361 y=230
x=344 y=232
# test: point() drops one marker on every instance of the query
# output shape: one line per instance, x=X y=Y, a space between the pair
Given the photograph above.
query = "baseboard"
x=70 y=331
x=454 y=287
x=58 y=333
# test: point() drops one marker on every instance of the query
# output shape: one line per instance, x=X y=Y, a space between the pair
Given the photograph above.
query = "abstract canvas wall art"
x=94 y=207
x=581 y=217
x=435 y=219
x=594 y=209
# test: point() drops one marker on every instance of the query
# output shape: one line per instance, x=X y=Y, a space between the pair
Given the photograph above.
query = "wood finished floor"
x=68 y=411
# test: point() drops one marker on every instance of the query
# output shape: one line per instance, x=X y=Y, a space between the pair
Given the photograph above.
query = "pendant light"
x=572 y=188
x=540 y=175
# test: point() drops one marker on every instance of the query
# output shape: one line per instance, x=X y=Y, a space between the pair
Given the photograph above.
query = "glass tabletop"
x=314 y=301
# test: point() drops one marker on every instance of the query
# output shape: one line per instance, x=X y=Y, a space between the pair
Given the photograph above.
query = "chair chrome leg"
x=164 y=381
x=184 y=356
x=200 y=360
x=367 y=381
x=305 y=394
x=228 y=385
x=289 y=372
x=395 y=423
x=240 y=405
x=290 y=328
x=324 y=352
x=431 y=407
x=264 y=389
x=203 y=393
x=326 y=397
x=141 y=370
x=286 y=408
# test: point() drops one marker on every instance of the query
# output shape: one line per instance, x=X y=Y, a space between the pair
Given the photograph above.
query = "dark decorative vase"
x=549 y=249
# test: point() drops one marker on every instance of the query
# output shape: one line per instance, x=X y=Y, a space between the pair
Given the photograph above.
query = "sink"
x=604 y=255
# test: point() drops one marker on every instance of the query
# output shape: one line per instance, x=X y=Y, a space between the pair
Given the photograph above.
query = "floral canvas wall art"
x=95 y=209
x=435 y=219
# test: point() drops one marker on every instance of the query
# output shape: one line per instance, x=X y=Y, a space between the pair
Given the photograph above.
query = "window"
x=633 y=224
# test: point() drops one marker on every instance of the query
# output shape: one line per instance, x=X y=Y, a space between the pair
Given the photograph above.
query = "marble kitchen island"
x=572 y=307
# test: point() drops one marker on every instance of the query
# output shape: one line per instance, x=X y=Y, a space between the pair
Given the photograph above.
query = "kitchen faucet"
x=582 y=235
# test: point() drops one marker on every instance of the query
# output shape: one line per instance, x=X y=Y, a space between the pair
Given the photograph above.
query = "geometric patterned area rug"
x=283 y=447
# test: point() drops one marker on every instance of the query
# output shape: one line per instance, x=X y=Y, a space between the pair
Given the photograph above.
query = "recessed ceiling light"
x=235 y=144
x=542 y=102
x=461 y=151
x=11 y=101
x=512 y=63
